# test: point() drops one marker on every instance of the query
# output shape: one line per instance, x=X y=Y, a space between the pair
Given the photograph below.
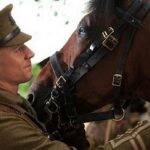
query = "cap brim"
x=21 y=38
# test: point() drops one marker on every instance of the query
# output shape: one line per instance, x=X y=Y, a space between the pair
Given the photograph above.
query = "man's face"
x=15 y=64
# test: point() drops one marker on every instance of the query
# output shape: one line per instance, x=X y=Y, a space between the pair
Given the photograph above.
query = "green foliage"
x=24 y=88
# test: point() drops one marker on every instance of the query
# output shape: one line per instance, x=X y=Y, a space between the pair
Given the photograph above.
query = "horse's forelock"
x=102 y=8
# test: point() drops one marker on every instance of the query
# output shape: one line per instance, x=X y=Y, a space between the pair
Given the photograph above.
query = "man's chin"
x=27 y=78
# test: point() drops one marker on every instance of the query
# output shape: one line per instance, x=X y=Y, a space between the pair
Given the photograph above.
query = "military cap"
x=10 y=33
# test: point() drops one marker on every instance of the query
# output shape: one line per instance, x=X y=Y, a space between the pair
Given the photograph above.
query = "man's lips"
x=28 y=65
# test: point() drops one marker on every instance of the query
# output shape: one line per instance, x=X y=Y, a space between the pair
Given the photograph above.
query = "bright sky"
x=50 y=22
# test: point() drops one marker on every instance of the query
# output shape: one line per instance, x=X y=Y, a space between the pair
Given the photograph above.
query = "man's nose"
x=29 y=53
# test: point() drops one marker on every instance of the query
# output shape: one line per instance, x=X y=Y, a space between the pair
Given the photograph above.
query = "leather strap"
x=96 y=52
x=94 y=56
x=56 y=65
x=120 y=68
x=144 y=9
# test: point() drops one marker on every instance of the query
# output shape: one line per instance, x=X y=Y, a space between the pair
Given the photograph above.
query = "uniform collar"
x=10 y=97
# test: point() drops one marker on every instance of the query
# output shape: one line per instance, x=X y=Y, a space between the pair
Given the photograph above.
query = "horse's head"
x=95 y=88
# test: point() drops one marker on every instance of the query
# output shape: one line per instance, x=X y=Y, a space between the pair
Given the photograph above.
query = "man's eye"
x=21 y=48
x=17 y=50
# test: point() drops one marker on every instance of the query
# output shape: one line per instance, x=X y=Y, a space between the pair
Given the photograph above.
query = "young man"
x=19 y=128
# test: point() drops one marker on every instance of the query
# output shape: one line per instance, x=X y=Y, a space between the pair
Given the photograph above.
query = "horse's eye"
x=83 y=31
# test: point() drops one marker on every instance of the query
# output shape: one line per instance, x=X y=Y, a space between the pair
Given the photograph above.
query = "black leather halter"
x=98 y=50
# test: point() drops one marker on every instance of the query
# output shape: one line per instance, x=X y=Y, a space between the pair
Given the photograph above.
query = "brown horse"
x=95 y=89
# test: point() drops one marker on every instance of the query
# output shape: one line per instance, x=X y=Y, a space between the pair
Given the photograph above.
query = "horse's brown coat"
x=95 y=88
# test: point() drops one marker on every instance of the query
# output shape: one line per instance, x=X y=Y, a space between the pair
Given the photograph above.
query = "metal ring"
x=54 y=94
x=119 y=117
x=49 y=104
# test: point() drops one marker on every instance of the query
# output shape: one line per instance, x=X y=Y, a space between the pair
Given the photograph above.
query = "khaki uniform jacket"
x=19 y=129
x=137 y=138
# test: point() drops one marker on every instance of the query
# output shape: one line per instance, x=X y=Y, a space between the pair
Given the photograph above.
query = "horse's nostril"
x=30 y=98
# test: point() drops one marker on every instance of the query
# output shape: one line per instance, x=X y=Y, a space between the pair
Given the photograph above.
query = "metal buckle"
x=117 y=79
x=60 y=82
x=119 y=117
x=110 y=42
x=51 y=107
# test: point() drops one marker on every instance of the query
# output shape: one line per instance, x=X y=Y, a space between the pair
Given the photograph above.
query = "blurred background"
x=50 y=22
